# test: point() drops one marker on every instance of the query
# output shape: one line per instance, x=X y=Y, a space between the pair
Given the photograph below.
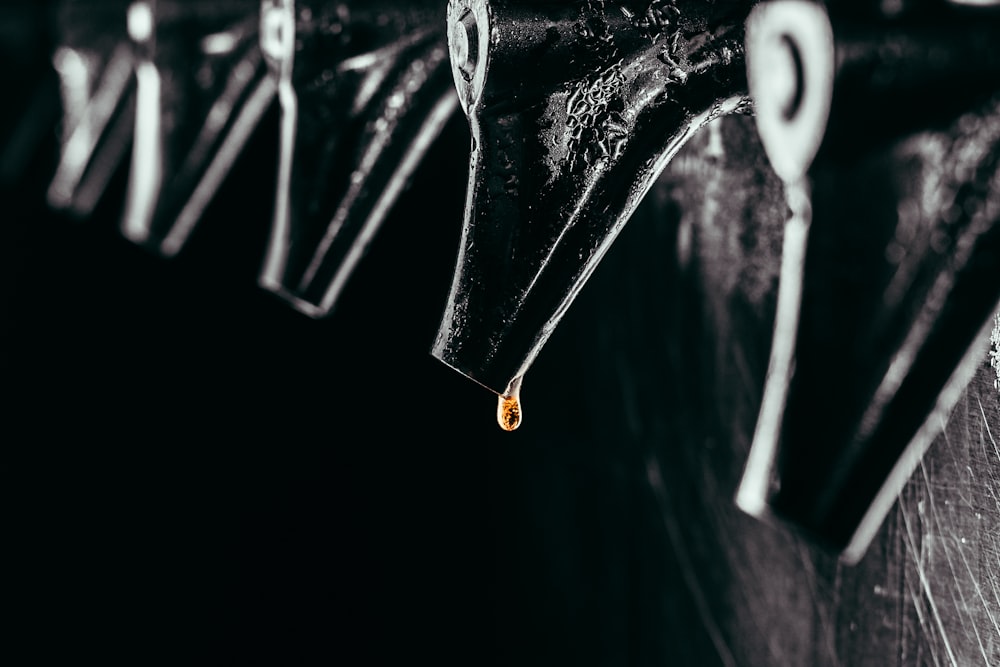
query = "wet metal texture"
x=575 y=108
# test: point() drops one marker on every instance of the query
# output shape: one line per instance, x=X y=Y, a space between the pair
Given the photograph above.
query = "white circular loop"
x=790 y=67
x=277 y=30
x=468 y=45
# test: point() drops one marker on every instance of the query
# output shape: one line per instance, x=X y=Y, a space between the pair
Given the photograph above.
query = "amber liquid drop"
x=509 y=412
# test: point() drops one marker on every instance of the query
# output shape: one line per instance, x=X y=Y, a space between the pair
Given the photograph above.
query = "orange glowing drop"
x=509 y=407
x=508 y=412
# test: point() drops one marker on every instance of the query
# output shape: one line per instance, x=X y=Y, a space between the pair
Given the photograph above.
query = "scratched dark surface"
x=682 y=361
x=197 y=472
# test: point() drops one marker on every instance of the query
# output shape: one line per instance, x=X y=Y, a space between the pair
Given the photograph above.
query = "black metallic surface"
x=903 y=265
x=881 y=286
x=575 y=108
x=371 y=89
x=195 y=473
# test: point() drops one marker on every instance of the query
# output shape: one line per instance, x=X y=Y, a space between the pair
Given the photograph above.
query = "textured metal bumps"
x=574 y=108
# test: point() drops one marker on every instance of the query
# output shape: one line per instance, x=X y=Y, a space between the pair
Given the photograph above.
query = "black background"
x=198 y=470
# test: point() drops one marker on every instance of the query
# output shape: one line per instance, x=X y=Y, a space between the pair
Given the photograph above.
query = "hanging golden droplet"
x=509 y=407
x=508 y=412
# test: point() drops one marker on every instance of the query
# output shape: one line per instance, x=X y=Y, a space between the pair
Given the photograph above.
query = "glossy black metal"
x=365 y=90
x=575 y=108
x=901 y=276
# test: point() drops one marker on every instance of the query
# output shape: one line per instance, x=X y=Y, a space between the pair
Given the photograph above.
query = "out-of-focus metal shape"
x=95 y=62
x=202 y=88
x=888 y=307
x=364 y=90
